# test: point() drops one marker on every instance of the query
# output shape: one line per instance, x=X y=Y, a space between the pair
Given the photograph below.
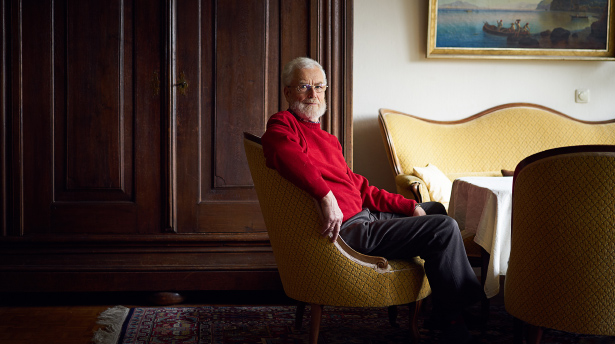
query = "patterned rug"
x=274 y=325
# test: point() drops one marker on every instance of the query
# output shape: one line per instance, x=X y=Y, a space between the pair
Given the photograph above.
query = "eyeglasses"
x=307 y=87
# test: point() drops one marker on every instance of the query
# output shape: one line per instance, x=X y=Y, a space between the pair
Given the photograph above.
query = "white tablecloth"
x=482 y=205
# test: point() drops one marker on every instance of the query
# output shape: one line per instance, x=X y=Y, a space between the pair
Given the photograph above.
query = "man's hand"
x=331 y=216
x=419 y=211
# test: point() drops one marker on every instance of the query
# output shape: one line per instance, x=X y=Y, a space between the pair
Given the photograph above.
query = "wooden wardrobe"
x=122 y=159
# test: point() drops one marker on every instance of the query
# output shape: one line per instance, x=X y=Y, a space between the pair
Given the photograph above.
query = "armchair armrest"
x=412 y=187
x=380 y=264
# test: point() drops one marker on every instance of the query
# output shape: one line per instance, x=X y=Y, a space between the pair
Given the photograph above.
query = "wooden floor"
x=29 y=325
x=71 y=318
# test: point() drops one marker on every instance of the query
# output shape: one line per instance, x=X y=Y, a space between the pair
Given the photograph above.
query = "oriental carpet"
x=275 y=325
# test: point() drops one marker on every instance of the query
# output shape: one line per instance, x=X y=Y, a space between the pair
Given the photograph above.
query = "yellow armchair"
x=312 y=269
x=561 y=272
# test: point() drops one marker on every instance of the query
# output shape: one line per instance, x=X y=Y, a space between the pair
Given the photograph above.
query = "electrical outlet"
x=581 y=95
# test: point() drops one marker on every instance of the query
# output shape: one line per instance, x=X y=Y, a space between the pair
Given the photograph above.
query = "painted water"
x=464 y=29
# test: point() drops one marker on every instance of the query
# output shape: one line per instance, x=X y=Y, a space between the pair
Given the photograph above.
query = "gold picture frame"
x=515 y=29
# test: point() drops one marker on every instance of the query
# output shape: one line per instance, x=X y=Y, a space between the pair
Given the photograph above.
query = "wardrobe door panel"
x=80 y=111
x=224 y=52
x=228 y=57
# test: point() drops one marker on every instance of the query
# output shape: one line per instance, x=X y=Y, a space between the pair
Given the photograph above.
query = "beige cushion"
x=437 y=183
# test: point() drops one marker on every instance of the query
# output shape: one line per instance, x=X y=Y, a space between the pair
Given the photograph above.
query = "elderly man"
x=370 y=220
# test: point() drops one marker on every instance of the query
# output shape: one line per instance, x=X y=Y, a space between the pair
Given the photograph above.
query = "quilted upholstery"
x=312 y=269
x=561 y=273
x=496 y=139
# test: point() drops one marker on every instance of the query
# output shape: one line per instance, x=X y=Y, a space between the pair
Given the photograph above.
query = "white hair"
x=300 y=63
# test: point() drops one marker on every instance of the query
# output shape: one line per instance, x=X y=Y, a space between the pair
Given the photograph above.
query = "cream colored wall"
x=391 y=71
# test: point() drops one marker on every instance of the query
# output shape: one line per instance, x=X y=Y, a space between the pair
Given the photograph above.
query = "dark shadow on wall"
x=370 y=157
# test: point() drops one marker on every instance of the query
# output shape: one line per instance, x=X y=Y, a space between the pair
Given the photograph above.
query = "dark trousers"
x=435 y=238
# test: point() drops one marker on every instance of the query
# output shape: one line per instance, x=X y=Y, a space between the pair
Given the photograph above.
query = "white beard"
x=309 y=112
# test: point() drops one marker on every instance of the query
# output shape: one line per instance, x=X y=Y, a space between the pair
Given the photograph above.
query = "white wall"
x=391 y=71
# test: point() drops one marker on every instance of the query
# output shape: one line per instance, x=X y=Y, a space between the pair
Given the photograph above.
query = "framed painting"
x=531 y=29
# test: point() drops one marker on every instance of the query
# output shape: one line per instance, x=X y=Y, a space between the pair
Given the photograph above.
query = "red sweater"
x=312 y=159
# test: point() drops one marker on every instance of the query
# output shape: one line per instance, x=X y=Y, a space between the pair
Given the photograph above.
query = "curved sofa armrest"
x=412 y=187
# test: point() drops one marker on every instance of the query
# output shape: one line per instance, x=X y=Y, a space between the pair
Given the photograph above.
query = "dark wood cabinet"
x=122 y=120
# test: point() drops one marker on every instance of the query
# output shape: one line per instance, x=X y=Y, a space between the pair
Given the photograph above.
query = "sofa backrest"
x=487 y=142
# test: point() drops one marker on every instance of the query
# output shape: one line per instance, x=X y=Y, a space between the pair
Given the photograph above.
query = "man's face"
x=309 y=105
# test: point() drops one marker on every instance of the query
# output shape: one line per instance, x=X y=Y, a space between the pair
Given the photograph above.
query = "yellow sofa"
x=481 y=145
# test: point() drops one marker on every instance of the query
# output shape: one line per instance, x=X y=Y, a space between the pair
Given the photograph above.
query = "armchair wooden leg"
x=393 y=316
x=485 y=304
x=517 y=331
x=299 y=315
x=315 y=322
x=484 y=312
x=414 y=317
x=534 y=334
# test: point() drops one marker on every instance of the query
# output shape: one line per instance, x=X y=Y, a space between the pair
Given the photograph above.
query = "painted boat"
x=493 y=30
